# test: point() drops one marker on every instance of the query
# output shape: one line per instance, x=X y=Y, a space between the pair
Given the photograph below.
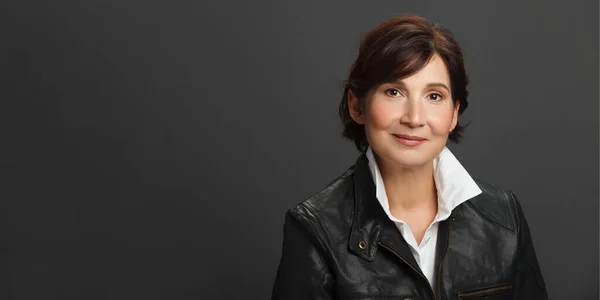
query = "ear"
x=455 y=116
x=354 y=108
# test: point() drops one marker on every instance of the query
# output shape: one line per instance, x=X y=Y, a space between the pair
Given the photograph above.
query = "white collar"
x=453 y=183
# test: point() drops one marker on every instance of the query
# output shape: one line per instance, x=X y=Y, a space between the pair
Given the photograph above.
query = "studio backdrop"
x=151 y=148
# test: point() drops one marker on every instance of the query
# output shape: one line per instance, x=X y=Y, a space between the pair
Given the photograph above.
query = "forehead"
x=435 y=71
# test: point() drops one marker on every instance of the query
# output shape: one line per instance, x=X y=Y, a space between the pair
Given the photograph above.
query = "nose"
x=413 y=115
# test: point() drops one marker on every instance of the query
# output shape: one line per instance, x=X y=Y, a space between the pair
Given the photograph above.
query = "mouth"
x=410 y=137
x=409 y=140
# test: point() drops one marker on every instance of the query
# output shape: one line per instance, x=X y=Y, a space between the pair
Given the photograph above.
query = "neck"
x=408 y=188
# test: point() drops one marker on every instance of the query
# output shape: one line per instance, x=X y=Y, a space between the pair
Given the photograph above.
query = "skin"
x=419 y=105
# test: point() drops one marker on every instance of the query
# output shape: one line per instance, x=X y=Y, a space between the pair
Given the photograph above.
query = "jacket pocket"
x=500 y=292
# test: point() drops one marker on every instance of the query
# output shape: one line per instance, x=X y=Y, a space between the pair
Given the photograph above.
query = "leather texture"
x=340 y=244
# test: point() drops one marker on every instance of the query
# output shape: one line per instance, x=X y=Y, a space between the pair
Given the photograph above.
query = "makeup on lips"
x=409 y=140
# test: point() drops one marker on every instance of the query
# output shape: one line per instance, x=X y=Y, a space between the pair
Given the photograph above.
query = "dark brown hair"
x=398 y=48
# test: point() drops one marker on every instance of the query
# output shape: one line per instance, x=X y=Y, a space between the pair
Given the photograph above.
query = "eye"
x=393 y=92
x=436 y=97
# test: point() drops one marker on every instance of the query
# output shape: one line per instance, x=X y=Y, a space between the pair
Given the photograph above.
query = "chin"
x=411 y=162
x=411 y=157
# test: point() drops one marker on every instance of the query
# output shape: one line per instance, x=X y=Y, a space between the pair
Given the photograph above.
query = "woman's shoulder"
x=496 y=203
x=331 y=207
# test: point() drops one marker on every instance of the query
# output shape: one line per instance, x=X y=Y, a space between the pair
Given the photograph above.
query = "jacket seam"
x=517 y=218
x=322 y=222
x=323 y=265
x=492 y=219
x=315 y=236
x=520 y=244
x=514 y=210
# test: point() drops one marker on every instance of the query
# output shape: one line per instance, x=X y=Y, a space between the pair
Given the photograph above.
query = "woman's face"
x=407 y=122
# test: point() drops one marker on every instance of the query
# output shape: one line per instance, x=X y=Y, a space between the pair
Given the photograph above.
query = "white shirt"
x=454 y=186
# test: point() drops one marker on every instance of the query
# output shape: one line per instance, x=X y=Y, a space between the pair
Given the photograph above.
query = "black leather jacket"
x=340 y=244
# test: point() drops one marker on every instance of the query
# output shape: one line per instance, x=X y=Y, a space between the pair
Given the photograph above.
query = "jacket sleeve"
x=302 y=272
x=530 y=282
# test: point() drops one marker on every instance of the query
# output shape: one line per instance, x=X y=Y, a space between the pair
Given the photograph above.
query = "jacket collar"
x=369 y=217
x=453 y=183
x=371 y=226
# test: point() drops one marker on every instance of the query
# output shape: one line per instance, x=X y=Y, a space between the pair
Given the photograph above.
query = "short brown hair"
x=398 y=48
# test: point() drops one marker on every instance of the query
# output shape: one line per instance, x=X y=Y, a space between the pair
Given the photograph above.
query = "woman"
x=406 y=221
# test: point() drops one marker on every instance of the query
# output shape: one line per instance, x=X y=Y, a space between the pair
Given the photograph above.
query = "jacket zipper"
x=439 y=278
x=414 y=269
x=483 y=292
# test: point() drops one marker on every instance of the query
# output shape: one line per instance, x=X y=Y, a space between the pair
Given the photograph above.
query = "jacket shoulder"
x=495 y=204
x=330 y=208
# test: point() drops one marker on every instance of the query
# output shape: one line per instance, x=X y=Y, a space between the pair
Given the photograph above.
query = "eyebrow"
x=429 y=85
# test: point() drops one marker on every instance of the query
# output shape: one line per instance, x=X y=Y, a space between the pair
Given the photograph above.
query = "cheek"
x=440 y=121
x=380 y=116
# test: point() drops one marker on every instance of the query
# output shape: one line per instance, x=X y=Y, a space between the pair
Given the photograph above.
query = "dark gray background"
x=151 y=148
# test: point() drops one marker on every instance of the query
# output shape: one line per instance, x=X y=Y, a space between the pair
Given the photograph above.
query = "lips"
x=409 y=140
x=410 y=137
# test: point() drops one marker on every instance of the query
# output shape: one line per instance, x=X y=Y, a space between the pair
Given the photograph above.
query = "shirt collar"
x=453 y=183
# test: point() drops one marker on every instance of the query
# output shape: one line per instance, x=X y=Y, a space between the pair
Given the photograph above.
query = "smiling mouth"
x=409 y=140
x=410 y=137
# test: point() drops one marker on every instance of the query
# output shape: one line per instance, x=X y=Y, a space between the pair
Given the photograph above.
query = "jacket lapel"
x=371 y=227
